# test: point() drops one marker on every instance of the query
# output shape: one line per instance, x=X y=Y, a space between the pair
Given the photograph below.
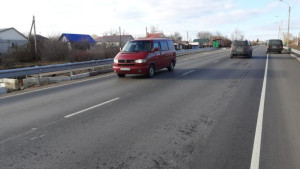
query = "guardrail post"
x=289 y=50
x=71 y=71
x=94 y=66
x=38 y=79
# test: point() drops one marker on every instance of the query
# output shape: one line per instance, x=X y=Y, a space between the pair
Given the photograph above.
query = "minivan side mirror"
x=155 y=49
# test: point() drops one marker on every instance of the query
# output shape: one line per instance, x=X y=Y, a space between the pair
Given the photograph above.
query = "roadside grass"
x=295 y=47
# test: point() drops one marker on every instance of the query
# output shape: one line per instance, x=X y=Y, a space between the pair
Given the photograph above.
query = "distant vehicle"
x=274 y=45
x=145 y=57
x=241 y=48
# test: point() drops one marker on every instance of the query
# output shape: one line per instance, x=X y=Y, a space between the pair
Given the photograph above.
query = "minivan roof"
x=241 y=40
x=152 y=39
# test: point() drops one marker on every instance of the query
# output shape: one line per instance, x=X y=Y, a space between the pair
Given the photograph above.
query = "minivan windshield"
x=137 y=46
x=240 y=43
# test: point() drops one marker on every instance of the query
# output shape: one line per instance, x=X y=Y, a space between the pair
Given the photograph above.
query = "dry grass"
x=295 y=47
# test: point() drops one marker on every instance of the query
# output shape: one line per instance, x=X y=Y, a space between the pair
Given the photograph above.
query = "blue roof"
x=78 y=38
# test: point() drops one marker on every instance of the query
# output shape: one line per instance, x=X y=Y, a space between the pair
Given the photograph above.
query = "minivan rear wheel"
x=150 y=71
x=171 y=67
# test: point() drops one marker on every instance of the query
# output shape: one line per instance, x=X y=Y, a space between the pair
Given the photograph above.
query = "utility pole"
x=288 y=33
x=146 y=32
x=298 y=43
x=187 y=35
x=34 y=36
x=120 y=38
x=288 y=46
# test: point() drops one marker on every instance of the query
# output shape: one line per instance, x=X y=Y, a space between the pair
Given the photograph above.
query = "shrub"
x=96 y=53
x=55 y=50
x=23 y=54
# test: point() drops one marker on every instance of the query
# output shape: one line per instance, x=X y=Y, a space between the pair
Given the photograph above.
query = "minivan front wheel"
x=121 y=75
x=150 y=71
x=171 y=67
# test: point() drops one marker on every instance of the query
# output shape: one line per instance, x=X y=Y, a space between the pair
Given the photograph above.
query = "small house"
x=202 y=42
x=78 y=41
x=10 y=38
x=113 y=40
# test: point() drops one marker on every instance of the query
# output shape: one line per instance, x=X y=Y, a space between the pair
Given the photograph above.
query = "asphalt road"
x=202 y=115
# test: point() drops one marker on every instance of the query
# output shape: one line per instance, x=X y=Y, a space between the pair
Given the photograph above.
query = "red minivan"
x=145 y=56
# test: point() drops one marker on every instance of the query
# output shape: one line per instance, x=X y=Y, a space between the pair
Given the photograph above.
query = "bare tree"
x=94 y=36
x=218 y=34
x=237 y=35
x=176 y=36
x=204 y=35
x=154 y=29
x=284 y=35
x=111 y=32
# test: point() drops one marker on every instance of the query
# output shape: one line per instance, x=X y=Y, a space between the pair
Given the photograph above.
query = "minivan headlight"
x=140 y=61
x=116 y=61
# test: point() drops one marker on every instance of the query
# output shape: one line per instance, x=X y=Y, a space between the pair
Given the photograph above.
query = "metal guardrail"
x=51 y=68
x=296 y=51
x=70 y=66
x=293 y=50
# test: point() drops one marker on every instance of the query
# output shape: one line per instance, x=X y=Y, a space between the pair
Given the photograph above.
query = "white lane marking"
x=188 y=72
x=183 y=74
x=55 y=86
x=294 y=56
x=258 y=132
x=90 y=108
x=217 y=61
x=33 y=138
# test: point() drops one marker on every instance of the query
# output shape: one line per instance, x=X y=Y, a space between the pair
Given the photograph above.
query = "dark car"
x=241 y=48
x=274 y=45
x=145 y=56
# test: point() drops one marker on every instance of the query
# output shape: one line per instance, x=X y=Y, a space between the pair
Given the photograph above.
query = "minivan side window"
x=164 y=45
x=171 y=45
x=156 y=45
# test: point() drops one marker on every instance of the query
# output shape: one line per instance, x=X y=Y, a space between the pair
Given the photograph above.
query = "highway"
x=203 y=115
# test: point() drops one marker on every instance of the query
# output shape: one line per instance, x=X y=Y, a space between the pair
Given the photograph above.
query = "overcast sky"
x=255 y=18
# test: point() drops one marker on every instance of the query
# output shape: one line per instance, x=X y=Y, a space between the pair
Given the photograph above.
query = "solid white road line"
x=90 y=108
x=258 y=132
x=55 y=86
